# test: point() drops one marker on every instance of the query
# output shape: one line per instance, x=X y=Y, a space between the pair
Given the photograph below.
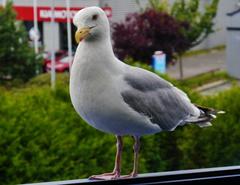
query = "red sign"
x=44 y=14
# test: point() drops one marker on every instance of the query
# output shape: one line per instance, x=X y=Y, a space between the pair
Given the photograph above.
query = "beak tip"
x=81 y=34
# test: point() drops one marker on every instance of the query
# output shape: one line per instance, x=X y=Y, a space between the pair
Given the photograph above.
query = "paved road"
x=198 y=64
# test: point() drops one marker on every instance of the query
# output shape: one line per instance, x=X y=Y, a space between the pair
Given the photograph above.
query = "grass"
x=191 y=83
x=62 y=79
x=204 y=51
x=205 y=78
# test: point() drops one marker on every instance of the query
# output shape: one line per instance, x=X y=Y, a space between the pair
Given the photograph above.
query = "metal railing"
x=220 y=175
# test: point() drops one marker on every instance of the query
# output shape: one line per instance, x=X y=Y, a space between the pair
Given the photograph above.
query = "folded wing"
x=157 y=99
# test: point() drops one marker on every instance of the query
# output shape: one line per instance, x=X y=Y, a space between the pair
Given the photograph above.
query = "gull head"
x=92 y=24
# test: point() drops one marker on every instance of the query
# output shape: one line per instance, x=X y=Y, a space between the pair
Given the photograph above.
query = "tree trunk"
x=180 y=67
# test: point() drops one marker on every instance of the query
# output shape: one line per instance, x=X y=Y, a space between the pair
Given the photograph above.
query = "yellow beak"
x=82 y=33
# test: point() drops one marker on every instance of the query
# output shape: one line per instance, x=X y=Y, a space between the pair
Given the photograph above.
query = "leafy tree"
x=17 y=59
x=159 y=5
x=198 y=23
x=143 y=33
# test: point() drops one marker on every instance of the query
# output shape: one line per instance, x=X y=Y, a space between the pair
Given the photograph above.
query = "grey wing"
x=157 y=99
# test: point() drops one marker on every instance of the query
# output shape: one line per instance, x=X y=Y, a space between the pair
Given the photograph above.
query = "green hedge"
x=43 y=139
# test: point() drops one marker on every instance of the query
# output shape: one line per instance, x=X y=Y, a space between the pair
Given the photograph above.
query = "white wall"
x=51 y=40
x=122 y=7
x=82 y=3
x=219 y=37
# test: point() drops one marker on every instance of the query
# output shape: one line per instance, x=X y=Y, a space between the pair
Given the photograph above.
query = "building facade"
x=116 y=11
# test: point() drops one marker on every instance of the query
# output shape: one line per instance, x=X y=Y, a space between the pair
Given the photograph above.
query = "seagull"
x=119 y=99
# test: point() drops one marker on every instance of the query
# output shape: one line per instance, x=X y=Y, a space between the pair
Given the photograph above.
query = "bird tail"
x=206 y=116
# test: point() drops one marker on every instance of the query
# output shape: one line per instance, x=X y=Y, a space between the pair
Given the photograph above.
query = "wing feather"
x=156 y=98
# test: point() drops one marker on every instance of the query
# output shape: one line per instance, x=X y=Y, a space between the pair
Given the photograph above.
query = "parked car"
x=47 y=58
x=61 y=65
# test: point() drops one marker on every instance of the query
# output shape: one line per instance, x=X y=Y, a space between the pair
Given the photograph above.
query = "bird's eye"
x=94 y=17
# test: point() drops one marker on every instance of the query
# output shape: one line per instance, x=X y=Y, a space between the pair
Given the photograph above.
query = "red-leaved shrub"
x=143 y=33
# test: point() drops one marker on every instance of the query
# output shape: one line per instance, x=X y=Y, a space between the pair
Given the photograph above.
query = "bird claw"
x=105 y=176
x=112 y=176
x=131 y=175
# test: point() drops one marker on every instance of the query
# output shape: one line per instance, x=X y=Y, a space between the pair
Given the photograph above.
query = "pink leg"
x=117 y=169
x=136 y=149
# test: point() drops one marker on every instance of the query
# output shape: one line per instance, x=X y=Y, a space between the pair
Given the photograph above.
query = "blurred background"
x=194 y=44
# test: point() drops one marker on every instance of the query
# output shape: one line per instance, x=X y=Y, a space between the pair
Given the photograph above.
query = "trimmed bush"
x=43 y=138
